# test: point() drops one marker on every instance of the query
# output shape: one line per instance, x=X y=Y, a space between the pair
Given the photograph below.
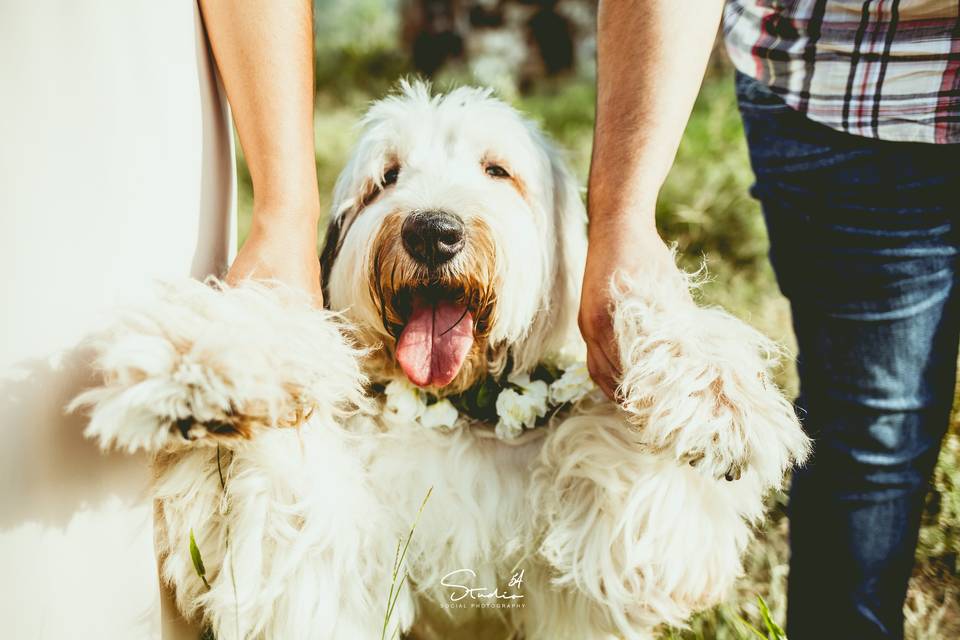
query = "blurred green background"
x=539 y=57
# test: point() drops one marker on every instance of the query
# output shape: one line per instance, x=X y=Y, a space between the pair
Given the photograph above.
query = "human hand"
x=281 y=249
x=618 y=245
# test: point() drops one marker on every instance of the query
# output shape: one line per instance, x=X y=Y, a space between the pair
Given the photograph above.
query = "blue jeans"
x=864 y=237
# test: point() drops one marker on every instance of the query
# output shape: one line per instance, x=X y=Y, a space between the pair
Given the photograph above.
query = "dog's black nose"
x=432 y=237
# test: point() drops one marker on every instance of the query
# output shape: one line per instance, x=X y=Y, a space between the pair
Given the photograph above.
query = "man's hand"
x=278 y=250
x=623 y=250
x=651 y=57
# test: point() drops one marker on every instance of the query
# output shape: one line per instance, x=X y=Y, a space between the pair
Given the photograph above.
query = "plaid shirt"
x=887 y=69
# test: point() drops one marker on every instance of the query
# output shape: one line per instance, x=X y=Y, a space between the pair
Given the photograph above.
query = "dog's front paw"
x=719 y=451
x=692 y=419
x=717 y=411
x=207 y=363
x=696 y=386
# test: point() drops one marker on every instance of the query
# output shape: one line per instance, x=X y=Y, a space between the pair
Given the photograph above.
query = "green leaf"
x=547 y=372
x=486 y=396
x=752 y=629
x=198 y=560
x=776 y=633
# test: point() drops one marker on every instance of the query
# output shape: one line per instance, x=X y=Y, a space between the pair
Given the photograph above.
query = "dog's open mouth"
x=436 y=337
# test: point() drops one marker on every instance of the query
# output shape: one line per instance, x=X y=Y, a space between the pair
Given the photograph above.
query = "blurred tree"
x=358 y=25
x=432 y=33
x=553 y=34
x=524 y=39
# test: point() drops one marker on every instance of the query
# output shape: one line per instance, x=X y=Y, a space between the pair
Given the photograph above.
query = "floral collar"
x=516 y=403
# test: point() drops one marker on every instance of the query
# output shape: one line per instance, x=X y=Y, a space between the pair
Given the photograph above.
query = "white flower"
x=535 y=391
x=439 y=415
x=514 y=411
x=564 y=359
x=506 y=431
x=519 y=409
x=573 y=385
x=404 y=402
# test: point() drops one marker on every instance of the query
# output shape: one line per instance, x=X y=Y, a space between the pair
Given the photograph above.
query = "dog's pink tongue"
x=435 y=342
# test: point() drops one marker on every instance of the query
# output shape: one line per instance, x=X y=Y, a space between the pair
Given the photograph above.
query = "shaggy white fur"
x=620 y=518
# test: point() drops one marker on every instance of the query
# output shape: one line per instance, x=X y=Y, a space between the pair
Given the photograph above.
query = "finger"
x=601 y=372
x=611 y=352
x=602 y=345
x=607 y=352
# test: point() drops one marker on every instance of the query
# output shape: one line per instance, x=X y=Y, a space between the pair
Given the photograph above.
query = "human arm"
x=264 y=52
x=651 y=57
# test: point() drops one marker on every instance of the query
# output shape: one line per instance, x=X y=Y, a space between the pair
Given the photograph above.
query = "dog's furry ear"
x=331 y=247
x=351 y=193
x=570 y=219
x=555 y=328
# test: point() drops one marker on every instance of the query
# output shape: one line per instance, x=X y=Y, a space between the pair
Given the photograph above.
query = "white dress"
x=116 y=167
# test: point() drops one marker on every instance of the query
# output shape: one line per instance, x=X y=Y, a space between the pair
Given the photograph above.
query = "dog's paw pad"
x=713 y=463
x=693 y=458
x=735 y=472
x=191 y=430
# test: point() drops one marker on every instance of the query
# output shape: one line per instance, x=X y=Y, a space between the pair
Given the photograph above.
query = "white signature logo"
x=461 y=591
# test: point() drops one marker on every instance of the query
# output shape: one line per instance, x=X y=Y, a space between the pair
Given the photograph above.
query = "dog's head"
x=456 y=239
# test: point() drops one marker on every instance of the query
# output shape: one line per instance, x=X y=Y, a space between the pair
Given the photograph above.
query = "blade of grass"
x=198 y=560
x=393 y=584
x=751 y=628
x=775 y=632
x=394 y=595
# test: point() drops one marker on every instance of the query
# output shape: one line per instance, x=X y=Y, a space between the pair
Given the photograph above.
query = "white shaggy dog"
x=292 y=444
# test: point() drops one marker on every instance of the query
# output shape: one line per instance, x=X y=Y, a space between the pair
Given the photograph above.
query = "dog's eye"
x=496 y=171
x=390 y=176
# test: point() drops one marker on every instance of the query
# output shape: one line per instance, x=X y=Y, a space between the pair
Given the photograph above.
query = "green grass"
x=399 y=575
x=706 y=209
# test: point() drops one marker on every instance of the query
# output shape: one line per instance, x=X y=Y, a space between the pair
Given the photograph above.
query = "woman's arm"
x=264 y=52
x=651 y=58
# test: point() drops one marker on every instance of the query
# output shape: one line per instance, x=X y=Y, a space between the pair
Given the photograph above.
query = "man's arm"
x=651 y=57
x=264 y=52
